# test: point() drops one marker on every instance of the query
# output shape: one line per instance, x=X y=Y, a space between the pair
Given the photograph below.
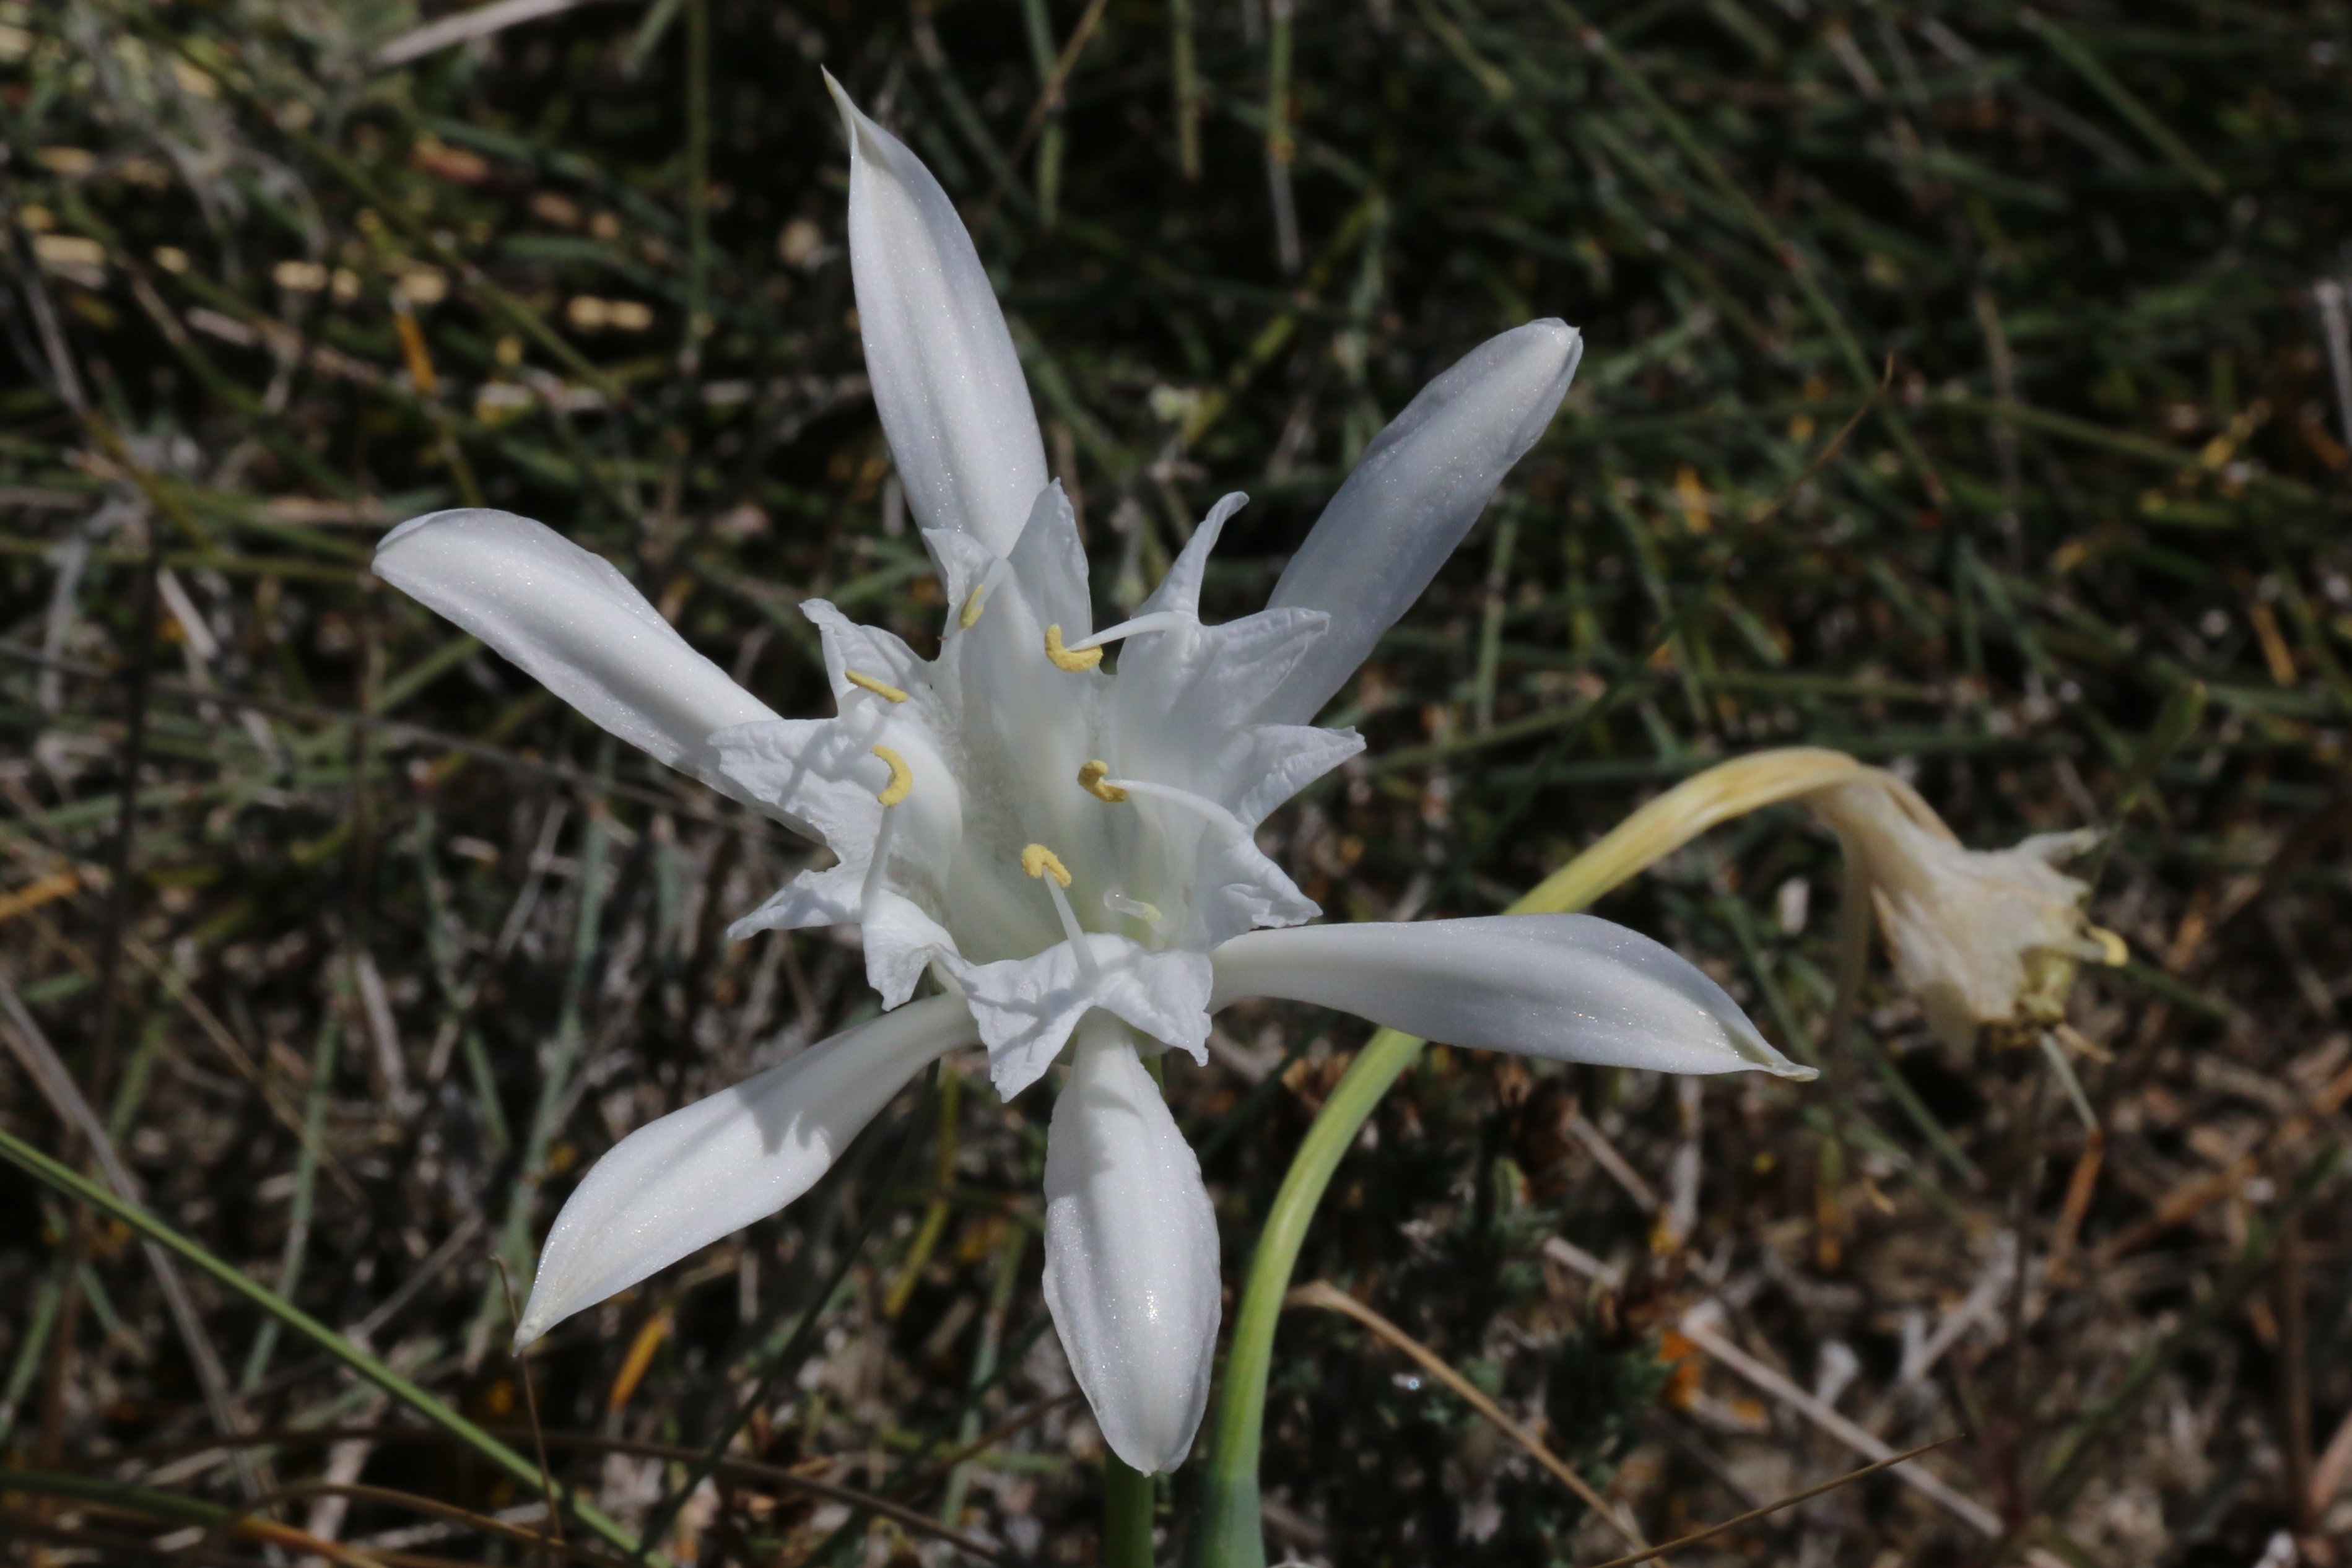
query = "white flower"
x=1066 y=847
x=1986 y=939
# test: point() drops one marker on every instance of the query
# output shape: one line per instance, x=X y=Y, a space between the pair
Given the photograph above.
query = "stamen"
x=975 y=602
x=1039 y=861
x=1046 y=867
x=1118 y=903
x=1157 y=621
x=877 y=867
x=1201 y=806
x=882 y=689
x=1090 y=779
x=1067 y=658
x=902 y=778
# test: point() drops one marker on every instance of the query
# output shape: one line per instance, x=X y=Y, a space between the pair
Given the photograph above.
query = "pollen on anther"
x=1091 y=778
x=882 y=689
x=1039 y=861
x=973 y=603
x=1064 y=659
x=902 y=778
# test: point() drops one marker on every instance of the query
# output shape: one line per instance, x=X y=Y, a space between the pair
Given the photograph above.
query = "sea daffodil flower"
x=1988 y=939
x=1067 y=847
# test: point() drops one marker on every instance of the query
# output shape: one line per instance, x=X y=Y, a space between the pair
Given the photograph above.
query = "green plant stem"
x=525 y=1472
x=1127 y=1499
x=1229 y=1533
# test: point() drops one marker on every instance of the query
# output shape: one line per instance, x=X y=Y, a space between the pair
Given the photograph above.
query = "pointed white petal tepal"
x=574 y=623
x=685 y=1180
x=1130 y=1252
x=1571 y=987
x=947 y=383
x=1412 y=495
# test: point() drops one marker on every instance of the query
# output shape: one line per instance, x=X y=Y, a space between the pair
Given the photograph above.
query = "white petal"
x=900 y=941
x=1417 y=489
x=1208 y=679
x=1236 y=887
x=572 y=621
x=677 y=1183
x=1051 y=564
x=871 y=651
x=1027 y=1007
x=1179 y=590
x=824 y=776
x=962 y=562
x=1284 y=759
x=1130 y=1253
x=831 y=897
x=1571 y=987
x=946 y=381
x=819 y=774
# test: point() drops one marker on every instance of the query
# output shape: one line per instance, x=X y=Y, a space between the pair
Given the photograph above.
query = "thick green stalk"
x=1127 y=1500
x=1229 y=1534
x=525 y=1472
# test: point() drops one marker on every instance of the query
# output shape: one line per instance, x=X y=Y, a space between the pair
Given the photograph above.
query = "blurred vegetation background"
x=355 y=948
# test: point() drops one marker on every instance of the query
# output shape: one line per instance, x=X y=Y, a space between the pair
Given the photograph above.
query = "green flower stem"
x=1231 y=1534
x=524 y=1471
x=1128 y=1502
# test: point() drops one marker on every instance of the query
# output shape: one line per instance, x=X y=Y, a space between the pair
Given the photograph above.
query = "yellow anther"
x=2111 y=951
x=1064 y=659
x=902 y=778
x=1039 y=861
x=972 y=606
x=1090 y=779
x=882 y=689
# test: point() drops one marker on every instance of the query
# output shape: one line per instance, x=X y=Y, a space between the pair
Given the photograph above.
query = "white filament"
x=1079 y=947
x=875 y=873
x=1157 y=621
x=1199 y=804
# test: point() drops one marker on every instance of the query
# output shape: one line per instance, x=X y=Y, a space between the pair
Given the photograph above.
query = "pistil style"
x=1118 y=903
